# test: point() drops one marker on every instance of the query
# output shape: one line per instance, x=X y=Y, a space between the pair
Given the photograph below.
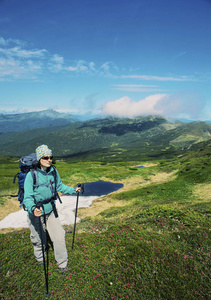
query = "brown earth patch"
x=140 y=181
x=11 y=205
x=105 y=202
x=202 y=191
x=6 y=230
x=98 y=206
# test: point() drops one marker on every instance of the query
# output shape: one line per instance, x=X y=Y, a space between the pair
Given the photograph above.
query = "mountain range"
x=27 y=121
x=102 y=138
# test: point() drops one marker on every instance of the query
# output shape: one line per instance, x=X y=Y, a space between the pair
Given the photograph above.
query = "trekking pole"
x=82 y=191
x=43 y=254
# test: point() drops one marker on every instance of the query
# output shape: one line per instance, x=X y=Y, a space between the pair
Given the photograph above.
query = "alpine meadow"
x=151 y=239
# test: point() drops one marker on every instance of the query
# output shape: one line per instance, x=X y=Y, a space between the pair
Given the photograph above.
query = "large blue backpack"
x=27 y=164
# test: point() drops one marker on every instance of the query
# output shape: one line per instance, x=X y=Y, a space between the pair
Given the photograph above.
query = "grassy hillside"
x=139 y=138
x=150 y=240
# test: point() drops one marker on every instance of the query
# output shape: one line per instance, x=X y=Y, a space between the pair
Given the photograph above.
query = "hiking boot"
x=64 y=270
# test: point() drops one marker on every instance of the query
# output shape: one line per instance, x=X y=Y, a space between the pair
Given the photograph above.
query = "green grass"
x=156 y=245
x=8 y=169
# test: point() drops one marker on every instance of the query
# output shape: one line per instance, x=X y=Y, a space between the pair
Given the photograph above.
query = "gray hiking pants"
x=56 y=233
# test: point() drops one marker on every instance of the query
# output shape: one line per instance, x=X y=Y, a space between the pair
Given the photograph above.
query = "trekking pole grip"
x=81 y=185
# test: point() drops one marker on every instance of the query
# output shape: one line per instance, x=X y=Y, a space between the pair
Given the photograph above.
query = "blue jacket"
x=44 y=191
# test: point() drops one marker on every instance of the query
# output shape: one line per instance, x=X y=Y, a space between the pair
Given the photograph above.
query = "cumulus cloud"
x=17 y=62
x=81 y=66
x=175 y=106
x=56 y=63
x=126 y=107
x=182 y=104
x=90 y=68
x=8 y=50
x=14 y=69
x=57 y=58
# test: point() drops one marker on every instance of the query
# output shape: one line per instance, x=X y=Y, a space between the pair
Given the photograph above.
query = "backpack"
x=27 y=164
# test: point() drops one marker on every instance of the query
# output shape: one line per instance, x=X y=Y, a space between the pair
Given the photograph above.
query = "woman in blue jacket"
x=39 y=200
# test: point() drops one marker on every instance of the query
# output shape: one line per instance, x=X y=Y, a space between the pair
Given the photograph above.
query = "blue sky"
x=109 y=57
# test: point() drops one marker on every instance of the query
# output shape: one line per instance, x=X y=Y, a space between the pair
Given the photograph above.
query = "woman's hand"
x=78 y=189
x=38 y=212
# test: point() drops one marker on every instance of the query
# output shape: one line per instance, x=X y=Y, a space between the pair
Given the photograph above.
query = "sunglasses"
x=47 y=157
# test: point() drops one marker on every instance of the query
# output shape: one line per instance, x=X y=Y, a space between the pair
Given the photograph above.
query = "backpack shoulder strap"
x=55 y=179
x=35 y=177
x=54 y=170
x=55 y=175
x=16 y=175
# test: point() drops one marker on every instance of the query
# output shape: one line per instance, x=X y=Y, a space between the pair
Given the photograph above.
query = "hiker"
x=39 y=200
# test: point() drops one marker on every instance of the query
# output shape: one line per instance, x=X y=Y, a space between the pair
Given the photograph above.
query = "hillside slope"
x=151 y=136
x=39 y=119
x=149 y=240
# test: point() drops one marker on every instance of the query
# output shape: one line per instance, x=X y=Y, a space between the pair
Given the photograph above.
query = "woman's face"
x=46 y=161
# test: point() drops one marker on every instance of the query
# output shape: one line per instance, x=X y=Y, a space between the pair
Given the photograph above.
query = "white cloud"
x=23 y=53
x=2 y=41
x=19 y=110
x=17 y=62
x=15 y=69
x=183 y=103
x=137 y=88
x=125 y=107
x=206 y=112
x=56 y=63
x=15 y=56
x=105 y=66
x=175 y=106
x=92 y=66
x=58 y=59
x=158 y=78
x=11 y=42
x=81 y=66
x=72 y=69
x=16 y=53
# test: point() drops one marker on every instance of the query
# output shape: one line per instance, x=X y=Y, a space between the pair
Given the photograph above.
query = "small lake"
x=99 y=188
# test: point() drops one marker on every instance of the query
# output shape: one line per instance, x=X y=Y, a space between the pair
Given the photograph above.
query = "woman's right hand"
x=38 y=212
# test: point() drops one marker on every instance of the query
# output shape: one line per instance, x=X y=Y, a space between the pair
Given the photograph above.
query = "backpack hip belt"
x=52 y=201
